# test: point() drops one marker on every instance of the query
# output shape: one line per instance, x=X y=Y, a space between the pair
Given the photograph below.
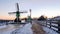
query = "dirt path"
x=37 y=29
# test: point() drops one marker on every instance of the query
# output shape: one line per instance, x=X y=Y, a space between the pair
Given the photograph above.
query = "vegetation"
x=37 y=29
x=42 y=18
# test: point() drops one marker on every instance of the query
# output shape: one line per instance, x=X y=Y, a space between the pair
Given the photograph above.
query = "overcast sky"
x=48 y=8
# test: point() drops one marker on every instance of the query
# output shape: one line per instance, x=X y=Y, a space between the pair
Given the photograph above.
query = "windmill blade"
x=11 y=12
x=17 y=6
x=22 y=12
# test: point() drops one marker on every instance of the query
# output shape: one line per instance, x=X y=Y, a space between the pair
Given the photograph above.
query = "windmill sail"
x=17 y=14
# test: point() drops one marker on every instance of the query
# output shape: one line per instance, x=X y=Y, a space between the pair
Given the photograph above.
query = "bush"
x=42 y=18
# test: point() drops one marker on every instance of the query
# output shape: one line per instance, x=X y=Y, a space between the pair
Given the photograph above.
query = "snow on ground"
x=49 y=31
x=7 y=29
x=26 y=29
x=2 y=26
x=7 y=32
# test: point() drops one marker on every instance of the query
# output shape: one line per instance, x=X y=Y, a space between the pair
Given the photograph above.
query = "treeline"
x=41 y=18
x=5 y=21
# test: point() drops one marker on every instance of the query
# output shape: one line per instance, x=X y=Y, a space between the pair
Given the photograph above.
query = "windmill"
x=17 y=19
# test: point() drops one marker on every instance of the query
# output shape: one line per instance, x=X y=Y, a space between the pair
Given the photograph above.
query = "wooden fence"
x=52 y=24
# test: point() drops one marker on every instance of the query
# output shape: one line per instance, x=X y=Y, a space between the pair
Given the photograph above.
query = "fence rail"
x=52 y=23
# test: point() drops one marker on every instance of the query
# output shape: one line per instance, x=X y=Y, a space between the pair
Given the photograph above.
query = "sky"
x=47 y=8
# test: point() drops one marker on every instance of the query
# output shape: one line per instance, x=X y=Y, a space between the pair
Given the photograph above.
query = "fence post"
x=50 y=23
x=46 y=23
x=59 y=26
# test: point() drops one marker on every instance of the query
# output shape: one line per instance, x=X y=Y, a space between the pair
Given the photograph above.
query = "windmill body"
x=17 y=19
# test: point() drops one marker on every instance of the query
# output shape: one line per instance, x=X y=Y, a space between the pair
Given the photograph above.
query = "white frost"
x=49 y=31
x=25 y=29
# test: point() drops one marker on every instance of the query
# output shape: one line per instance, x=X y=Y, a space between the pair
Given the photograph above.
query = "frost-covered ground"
x=2 y=26
x=26 y=29
x=7 y=29
x=12 y=29
x=49 y=31
x=22 y=29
